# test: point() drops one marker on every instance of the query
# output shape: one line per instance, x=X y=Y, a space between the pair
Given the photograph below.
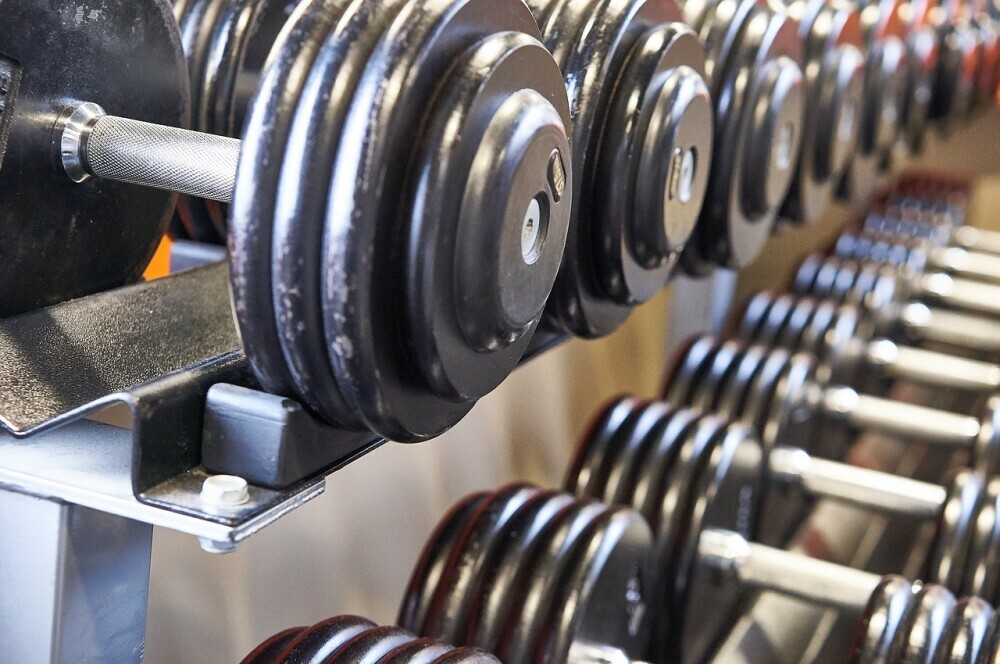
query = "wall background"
x=351 y=550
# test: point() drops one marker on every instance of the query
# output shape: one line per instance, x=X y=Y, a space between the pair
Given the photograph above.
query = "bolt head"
x=225 y=490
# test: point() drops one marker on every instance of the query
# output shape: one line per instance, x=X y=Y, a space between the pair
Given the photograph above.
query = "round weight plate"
x=845 y=351
x=986 y=454
x=757 y=401
x=727 y=497
x=790 y=412
x=924 y=56
x=876 y=631
x=467 y=656
x=604 y=598
x=953 y=534
x=369 y=299
x=265 y=138
x=498 y=595
x=371 y=646
x=777 y=318
x=301 y=200
x=727 y=358
x=823 y=284
x=805 y=276
x=736 y=391
x=318 y=642
x=754 y=314
x=420 y=651
x=964 y=640
x=689 y=364
x=427 y=573
x=900 y=644
x=630 y=448
x=790 y=336
x=981 y=568
x=650 y=485
x=458 y=582
x=584 y=476
x=268 y=651
x=66 y=239
x=842 y=288
x=927 y=626
x=599 y=45
x=814 y=336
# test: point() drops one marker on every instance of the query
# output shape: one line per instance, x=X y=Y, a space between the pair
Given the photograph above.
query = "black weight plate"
x=467 y=656
x=498 y=594
x=268 y=651
x=265 y=138
x=419 y=651
x=549 y=560
x=754 y=314
x=927 y=626
x=727 y=358
x=845 y=356
x=603 y=597
x=363 y=261
x=371 y=646
x=629 y=450
x=790 y=334
x=690 y=362
x=776 y=320
x=654 y=473
x=814 y=336
x=900 y=645
x=318 y=642
x=735 y=392
x=475 y=289
x=842 y=288
x=427 y=573
x=313 y=139
x=805 y=275
x=986 y=454
x=791 y=417
x=726 y=496
x=759 y=394
x=822 y=286
x=964 y=642
x=459 y=578
x=924 y=56
x=955 y=528
x=591 y=41
x=69 y=240
x=584 y=477
x=981 y=566
x=876 y=630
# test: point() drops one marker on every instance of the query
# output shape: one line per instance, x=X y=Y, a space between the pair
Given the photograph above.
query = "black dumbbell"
x=906 y=221
x=643 y=133
x=845 y=342
x=833 y=64
x=226 y=43
x=535 y=576
x=898 y=304
x=691 y=474
x=353 y=640
x=918 y=255
x=753 y=56
x=789 y=402
x=435 y=245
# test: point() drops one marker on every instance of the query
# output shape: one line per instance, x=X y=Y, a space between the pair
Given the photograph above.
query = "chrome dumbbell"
x=845 y=342
x=789 y=403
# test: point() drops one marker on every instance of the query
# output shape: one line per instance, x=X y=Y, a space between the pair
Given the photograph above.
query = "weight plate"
x=66 y=239
x=317 y=643
x=757 y=400
x=754 y=315
x=314 y=136
x=777 y=318
x=900 y=645
x=929 y=622
x=467 y=656
x=963 y=641
x=986 y=454
x=265 y=138
x=791 y=416
x=924 y=56
x=628 y=453
x=806 y=275
x=846 y=351
x=814 y=336
x=822 y=286
x=584 y=477
x=498 y=595
x=655 y=472
x=727 y=496
x=684 y=374
x=736 y=391
x=956 y=524
x=455 y=591
x=981 y=571
x=268 y=651
x=727 y=359
x=364 y=290
x=603 y=600
x=418 y=651
x=427 y=573
x=877 y=628
x=790 y=336
x=371 y=646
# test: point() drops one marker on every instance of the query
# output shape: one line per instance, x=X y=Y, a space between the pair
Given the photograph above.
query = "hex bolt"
x=225 y=491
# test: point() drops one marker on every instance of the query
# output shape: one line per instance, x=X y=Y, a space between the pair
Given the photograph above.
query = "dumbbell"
x=643 y=133
x=944 y=236
x=956 y=76
x=669 y=462
x=896 y=303
x=753 y=57
x=833 y=65
x=439 y=129
x=535 y=576
x=352 y=640
x=923 y=57
x=885 y=33
x=918 y=255
x=226 y=43
x=845 y=343
x=789 y=402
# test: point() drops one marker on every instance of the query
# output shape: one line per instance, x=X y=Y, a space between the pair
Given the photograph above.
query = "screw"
x=217 y=546
x=225 y=490
x=557 y=175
